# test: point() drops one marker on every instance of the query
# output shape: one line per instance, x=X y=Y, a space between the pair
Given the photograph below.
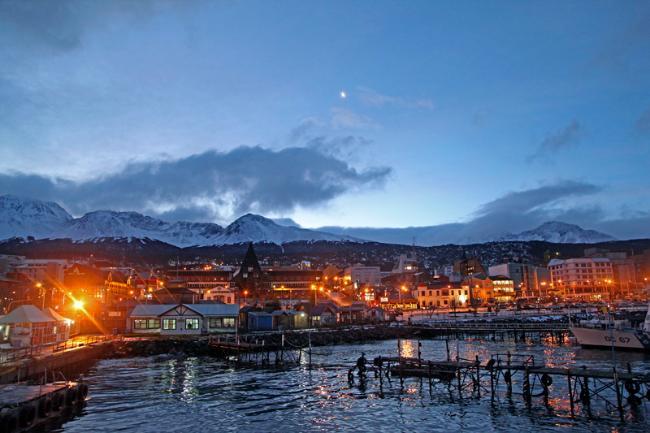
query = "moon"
x=343 y=94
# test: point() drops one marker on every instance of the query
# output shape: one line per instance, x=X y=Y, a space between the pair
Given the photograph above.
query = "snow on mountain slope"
x=559 y=232
x=256 y=228
x=21 y=217
x=101 y=224
x=25 y=217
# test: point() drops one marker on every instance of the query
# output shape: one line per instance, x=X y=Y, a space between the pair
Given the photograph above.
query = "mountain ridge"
x=24 y=217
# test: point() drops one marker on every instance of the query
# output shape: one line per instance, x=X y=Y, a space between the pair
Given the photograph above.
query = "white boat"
x=617 y=334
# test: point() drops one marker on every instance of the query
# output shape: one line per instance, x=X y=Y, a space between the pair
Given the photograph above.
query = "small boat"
x=617 y=334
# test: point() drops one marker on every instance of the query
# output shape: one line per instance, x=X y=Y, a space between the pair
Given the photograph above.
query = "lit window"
x=192 y=324
x=169 y=324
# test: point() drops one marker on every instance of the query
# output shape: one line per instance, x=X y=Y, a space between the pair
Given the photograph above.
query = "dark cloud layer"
x=557 y=141
x=522 y=210
x=208 y=186
x=60 y=25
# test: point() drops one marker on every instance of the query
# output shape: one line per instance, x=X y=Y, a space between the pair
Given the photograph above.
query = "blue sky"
x=450 y=106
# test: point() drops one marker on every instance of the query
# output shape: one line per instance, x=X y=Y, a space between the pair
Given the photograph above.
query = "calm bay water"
x=158 y=394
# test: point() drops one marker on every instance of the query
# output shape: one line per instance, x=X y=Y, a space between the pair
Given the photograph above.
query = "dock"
x=591 y=392
x=25 y=407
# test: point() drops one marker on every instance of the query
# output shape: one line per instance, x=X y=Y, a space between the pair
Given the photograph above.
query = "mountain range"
x=24 y=217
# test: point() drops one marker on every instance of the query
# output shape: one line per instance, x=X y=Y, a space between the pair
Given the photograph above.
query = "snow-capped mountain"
x=559 y=232
x=102 y=224
x=256 y=228
x=21 y=217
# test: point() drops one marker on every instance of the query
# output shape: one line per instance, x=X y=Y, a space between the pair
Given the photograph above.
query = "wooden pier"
x=254 y=351
x=590 y=392
x=25 y=407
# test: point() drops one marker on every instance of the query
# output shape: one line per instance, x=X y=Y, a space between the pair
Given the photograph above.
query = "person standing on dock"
x=361 y=364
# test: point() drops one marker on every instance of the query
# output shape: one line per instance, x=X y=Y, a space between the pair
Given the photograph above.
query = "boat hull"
x=606 y=338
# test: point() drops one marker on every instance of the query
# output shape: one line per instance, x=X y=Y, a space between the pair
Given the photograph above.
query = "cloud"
x=531 y=199
x=561 y=139
x=61 y=25
x=343 y=118
x=376 y=99
x=643 y=122
x=208 y=186
x=523 y=210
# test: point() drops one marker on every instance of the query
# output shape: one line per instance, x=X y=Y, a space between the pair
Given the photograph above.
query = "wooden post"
x=509 y=382
x=526 y=387
x=619 y=398
x=492 y=383
x=447 y=346
x=309 y=337
x=477 y=383
x=570 y=393
x=587 y=397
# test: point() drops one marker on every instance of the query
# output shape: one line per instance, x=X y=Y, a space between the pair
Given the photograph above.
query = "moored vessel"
x=609 y=333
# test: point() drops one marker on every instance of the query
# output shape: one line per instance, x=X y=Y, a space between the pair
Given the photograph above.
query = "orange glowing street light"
x=78 y=304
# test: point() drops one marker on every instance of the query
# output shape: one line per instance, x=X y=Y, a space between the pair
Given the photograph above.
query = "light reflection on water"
x=199 y=394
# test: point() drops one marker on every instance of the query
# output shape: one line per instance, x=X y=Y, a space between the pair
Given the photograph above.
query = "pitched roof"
x=54 y=314
x=215 y=309
x=148 y=310
x=26 y=314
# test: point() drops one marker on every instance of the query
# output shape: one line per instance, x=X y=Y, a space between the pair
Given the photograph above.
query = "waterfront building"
x=259 y=321
x=182 y=319
x=324 y=314
x=442 y=294
x=530 y=281
x=503 y=289
x=27 y=326
x=628 y=271
x=583 y=278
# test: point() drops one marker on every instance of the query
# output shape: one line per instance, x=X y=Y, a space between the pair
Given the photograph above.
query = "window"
x=225 y=322
x=169 y=324
x=191 y=324
x=153 y=323
x=140 y=324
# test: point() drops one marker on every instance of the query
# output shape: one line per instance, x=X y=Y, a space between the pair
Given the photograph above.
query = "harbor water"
x=188 y=394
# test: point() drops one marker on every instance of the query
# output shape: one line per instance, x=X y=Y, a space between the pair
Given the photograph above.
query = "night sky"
x=354 y=113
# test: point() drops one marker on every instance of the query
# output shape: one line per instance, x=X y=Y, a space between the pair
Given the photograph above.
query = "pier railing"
x=493 y=326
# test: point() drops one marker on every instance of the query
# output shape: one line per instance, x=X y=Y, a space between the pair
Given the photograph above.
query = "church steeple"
x=250 y=263
x=250 y=276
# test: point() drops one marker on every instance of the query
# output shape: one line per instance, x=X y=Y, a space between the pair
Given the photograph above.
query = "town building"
x=530 y=281
x=441 y=293
x=202 y=280
x=28 y=327
x=182 y=319
x=583 y=278
x=361 y=275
